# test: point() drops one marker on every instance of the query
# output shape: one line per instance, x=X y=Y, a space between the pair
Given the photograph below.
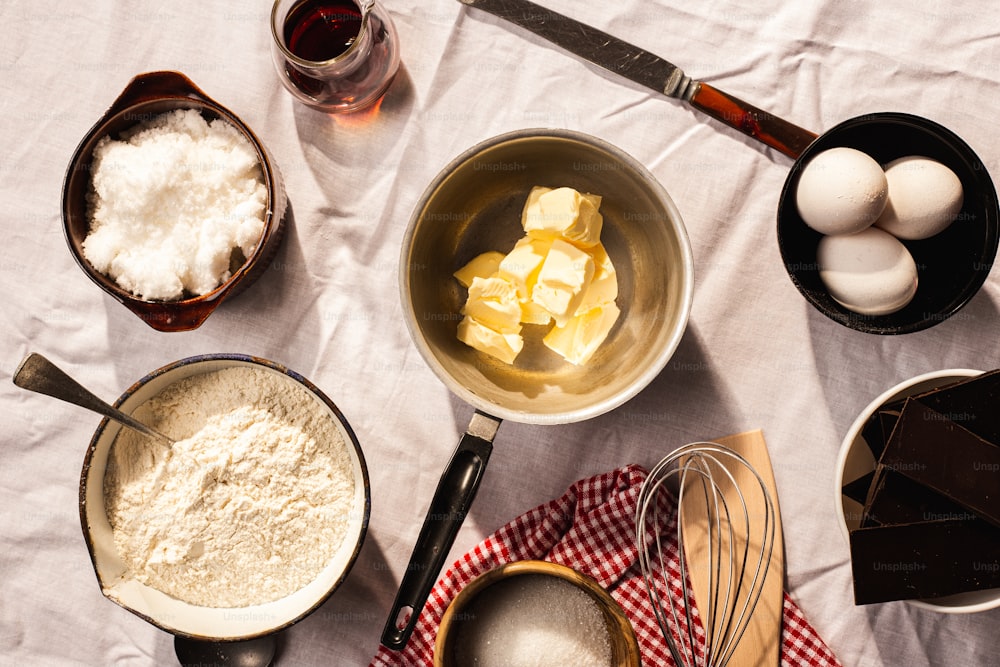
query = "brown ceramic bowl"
x=146 y=96
x=461 y=615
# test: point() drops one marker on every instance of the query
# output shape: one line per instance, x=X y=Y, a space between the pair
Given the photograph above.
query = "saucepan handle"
x=454 y=495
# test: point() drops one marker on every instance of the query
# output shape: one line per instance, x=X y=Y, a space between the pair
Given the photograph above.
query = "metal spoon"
x=258 y=652
x=37 y=373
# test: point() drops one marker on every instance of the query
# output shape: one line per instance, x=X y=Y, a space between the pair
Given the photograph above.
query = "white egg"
x=841 y=191
x=870 y=272
x=925 y=197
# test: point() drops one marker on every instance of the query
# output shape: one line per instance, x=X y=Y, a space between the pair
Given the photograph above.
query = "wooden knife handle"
x=765 y=127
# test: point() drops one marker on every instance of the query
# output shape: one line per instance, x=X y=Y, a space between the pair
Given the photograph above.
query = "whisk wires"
x=725 y=554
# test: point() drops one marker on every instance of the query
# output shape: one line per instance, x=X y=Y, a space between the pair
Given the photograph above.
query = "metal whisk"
x=732 y=551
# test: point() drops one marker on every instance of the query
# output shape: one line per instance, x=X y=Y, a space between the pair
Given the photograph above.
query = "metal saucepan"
x=474 y=205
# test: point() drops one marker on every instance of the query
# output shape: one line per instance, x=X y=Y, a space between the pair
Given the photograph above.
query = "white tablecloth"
x=755 y=354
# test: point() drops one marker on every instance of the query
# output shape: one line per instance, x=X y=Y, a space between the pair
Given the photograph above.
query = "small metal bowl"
x=146 y=96
x=457 y=618
x=213 y=624
x=855 y=460
x=951 y=266
x=474 y=205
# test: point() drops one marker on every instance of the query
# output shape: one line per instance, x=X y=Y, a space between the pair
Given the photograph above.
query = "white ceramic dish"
x=855 y=460
x=182 y=618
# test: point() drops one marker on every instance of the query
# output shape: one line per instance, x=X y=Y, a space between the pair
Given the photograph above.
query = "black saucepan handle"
x=451 y=502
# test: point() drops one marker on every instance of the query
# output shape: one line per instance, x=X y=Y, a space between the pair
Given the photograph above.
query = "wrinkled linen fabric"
x=755 y=353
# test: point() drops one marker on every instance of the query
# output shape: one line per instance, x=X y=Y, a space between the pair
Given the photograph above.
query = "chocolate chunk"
x=894 y=498
x=879 y=427
x=858 y=489
x=970 y=403
x=930 y=449
x=925 y=560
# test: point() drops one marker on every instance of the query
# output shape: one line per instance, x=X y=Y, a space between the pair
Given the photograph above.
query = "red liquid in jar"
x=319 y=30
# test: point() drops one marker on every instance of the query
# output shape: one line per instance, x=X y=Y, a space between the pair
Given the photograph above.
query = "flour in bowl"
x=251 y=502
x=173 y=201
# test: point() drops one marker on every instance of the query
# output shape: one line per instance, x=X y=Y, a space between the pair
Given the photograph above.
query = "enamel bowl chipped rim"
x=855 y=460
x=179 y=617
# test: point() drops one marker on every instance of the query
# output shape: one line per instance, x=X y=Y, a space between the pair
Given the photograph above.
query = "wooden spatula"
x=760 y=645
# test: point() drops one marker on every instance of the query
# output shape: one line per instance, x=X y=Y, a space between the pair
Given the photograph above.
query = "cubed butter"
x=563 y=213
x=493 y=303
x=481 y=266
x=579 y=338
x=532 y=313
x=559 y=272
x=562 y=281
x=603 y=287
x=504 y=347
x=521 y=265
x=531 y=210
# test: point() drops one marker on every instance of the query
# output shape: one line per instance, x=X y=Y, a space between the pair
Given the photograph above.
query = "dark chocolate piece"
x=970 y=403
x=894 y=498
x=925 y=560
x=858 y=489
x=879 y=427
x=936 y=452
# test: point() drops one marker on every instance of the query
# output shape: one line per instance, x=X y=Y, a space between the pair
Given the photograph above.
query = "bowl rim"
x=611 y=609
x=851 y=437
x=363 y=485
x=683 y=308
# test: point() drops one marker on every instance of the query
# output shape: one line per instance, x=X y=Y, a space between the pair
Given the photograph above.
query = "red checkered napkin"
x=590 y=529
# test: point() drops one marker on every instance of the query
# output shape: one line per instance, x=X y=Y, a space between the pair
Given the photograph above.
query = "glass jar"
x=336 y=56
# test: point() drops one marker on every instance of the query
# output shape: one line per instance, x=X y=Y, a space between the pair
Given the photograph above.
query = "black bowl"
x=951 y=266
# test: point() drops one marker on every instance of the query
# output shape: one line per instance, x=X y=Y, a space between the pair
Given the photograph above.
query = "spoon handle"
x=38 y=374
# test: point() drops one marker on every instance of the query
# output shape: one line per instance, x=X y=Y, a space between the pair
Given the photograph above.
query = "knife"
x=649 y=70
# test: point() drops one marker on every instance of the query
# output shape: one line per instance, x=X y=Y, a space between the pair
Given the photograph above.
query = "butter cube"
x=562 y=281
x=493 y=303
x=579 y=338
x=504 y=347
x=563 y=212
x=532 y=313
x=604 y=286
x=531 y=211
x=522 y=264
x=481 y=266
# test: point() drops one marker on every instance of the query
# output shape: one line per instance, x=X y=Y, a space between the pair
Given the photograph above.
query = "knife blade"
x=649 y=70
